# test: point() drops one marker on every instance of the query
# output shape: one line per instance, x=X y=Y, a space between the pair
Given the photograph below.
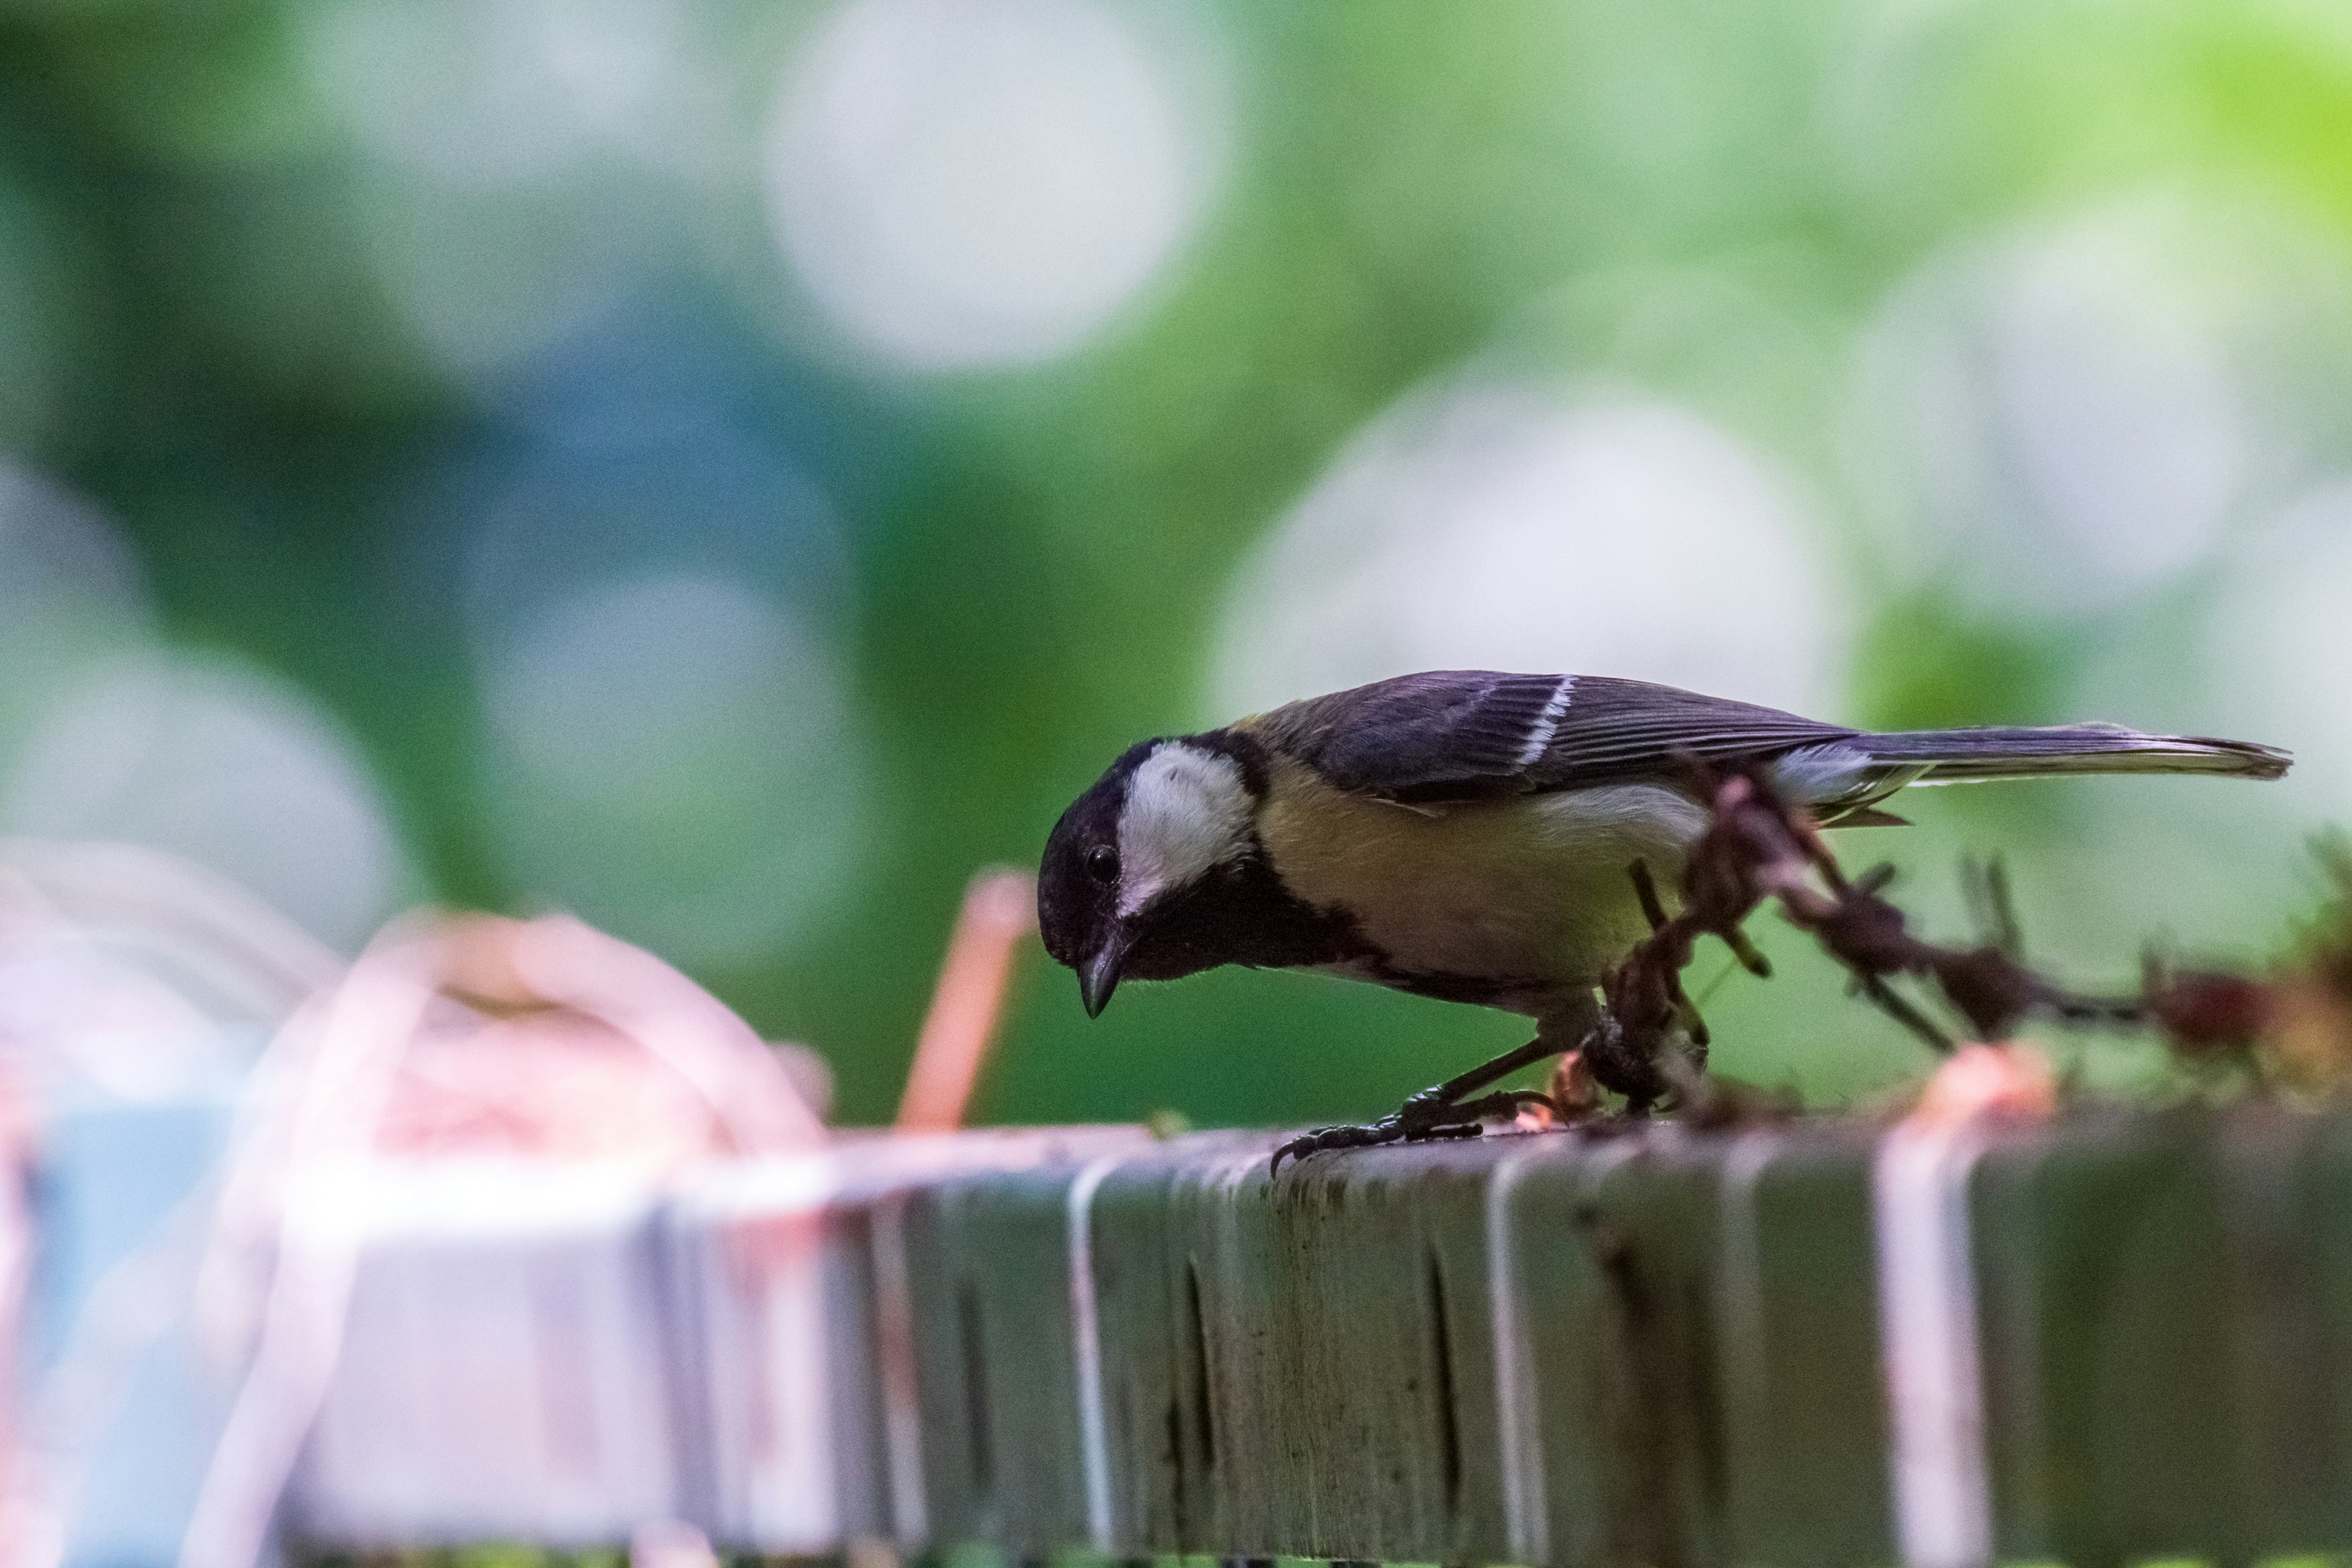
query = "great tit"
x=1468 y=835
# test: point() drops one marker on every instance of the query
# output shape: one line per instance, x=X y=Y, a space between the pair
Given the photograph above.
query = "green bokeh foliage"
x=190 y=331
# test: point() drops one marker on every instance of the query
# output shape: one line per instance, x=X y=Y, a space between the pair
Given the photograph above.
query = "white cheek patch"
x=1187 y=811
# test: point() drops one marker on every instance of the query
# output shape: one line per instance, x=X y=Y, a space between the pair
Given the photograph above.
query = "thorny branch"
x=1760 y=848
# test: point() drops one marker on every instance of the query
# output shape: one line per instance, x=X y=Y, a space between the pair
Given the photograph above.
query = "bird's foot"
x=1425 y=1117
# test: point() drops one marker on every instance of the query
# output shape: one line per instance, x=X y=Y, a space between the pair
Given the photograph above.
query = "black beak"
x=1099 y=976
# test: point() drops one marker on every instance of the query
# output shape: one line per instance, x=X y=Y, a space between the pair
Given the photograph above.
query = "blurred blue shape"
x=650 y=442
x=122 y=1191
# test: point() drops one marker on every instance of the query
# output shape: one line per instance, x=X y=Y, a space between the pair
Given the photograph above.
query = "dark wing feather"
x=1431 y=731
x=1470 y=734
x=1630 y=729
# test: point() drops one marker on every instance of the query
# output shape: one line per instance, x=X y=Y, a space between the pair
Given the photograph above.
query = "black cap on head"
x=1078 y=882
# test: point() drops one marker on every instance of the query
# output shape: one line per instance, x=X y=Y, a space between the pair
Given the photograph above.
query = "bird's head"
x=1136 y=868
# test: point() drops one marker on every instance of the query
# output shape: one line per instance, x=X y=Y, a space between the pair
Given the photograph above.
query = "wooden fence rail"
x=2106 y=1338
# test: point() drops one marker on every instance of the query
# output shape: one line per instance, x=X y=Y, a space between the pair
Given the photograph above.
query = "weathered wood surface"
x=2108 y=1338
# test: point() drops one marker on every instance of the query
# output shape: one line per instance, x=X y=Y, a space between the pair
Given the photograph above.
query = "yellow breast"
x=1531 y=887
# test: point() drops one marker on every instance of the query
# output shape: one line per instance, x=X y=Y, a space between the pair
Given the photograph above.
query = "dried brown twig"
x=2290 y=1028
x=1759 y=849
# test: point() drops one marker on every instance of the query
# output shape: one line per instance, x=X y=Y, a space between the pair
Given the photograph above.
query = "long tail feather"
x=1954 y=756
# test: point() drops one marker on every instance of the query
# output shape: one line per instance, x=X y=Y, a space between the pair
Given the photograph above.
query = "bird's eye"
x=1102 y=864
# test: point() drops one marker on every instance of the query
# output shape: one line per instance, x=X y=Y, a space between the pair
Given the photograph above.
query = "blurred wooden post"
x=1000 y=910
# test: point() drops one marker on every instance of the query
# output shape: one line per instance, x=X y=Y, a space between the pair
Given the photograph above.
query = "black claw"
x=1427 y=1117
x=1387 y=1130
x=1427 y=1105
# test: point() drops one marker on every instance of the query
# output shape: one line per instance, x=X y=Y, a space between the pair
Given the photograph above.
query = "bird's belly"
x=1529 y=896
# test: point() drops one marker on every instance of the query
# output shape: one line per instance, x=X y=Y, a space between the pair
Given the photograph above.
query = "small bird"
x=1466 y=835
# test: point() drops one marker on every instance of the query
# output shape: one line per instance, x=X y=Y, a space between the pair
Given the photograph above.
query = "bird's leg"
x=1451 y=1091
x=1445 y=1110
x=1503 y=1103
x=1419 y=1120
x=1745 y=950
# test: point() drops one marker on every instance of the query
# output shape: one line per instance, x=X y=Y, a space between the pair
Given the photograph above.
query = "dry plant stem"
x=992 y=929
x=1759 y=849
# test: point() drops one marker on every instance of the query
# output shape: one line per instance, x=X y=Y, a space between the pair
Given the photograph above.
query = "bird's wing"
x=1453 y=735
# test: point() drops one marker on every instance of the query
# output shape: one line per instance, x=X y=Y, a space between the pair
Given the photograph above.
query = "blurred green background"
x=733 y=470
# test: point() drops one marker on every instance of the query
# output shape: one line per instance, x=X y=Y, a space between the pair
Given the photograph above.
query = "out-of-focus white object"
x=135 y=991
x=1510 y=524
x=362 y=1213
x=668 y=1543
x=502 y=1374
x=363 y=1216
x=965 y=187
x=433 y=1256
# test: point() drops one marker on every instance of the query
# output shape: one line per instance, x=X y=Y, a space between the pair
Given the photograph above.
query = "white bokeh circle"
x=672 y=755
x=62 y=562
x=72 y=595
x=2279 y=647
x=1510 y=525
x=498 y=92
x=971 y=186
x=2063 y=418
x=231 y=768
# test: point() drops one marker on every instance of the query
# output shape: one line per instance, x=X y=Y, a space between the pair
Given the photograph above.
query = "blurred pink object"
x=1977 y=1083
x=1000 y=910
x=449 y=1039
x=562 y=1086
x=561 y=1041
